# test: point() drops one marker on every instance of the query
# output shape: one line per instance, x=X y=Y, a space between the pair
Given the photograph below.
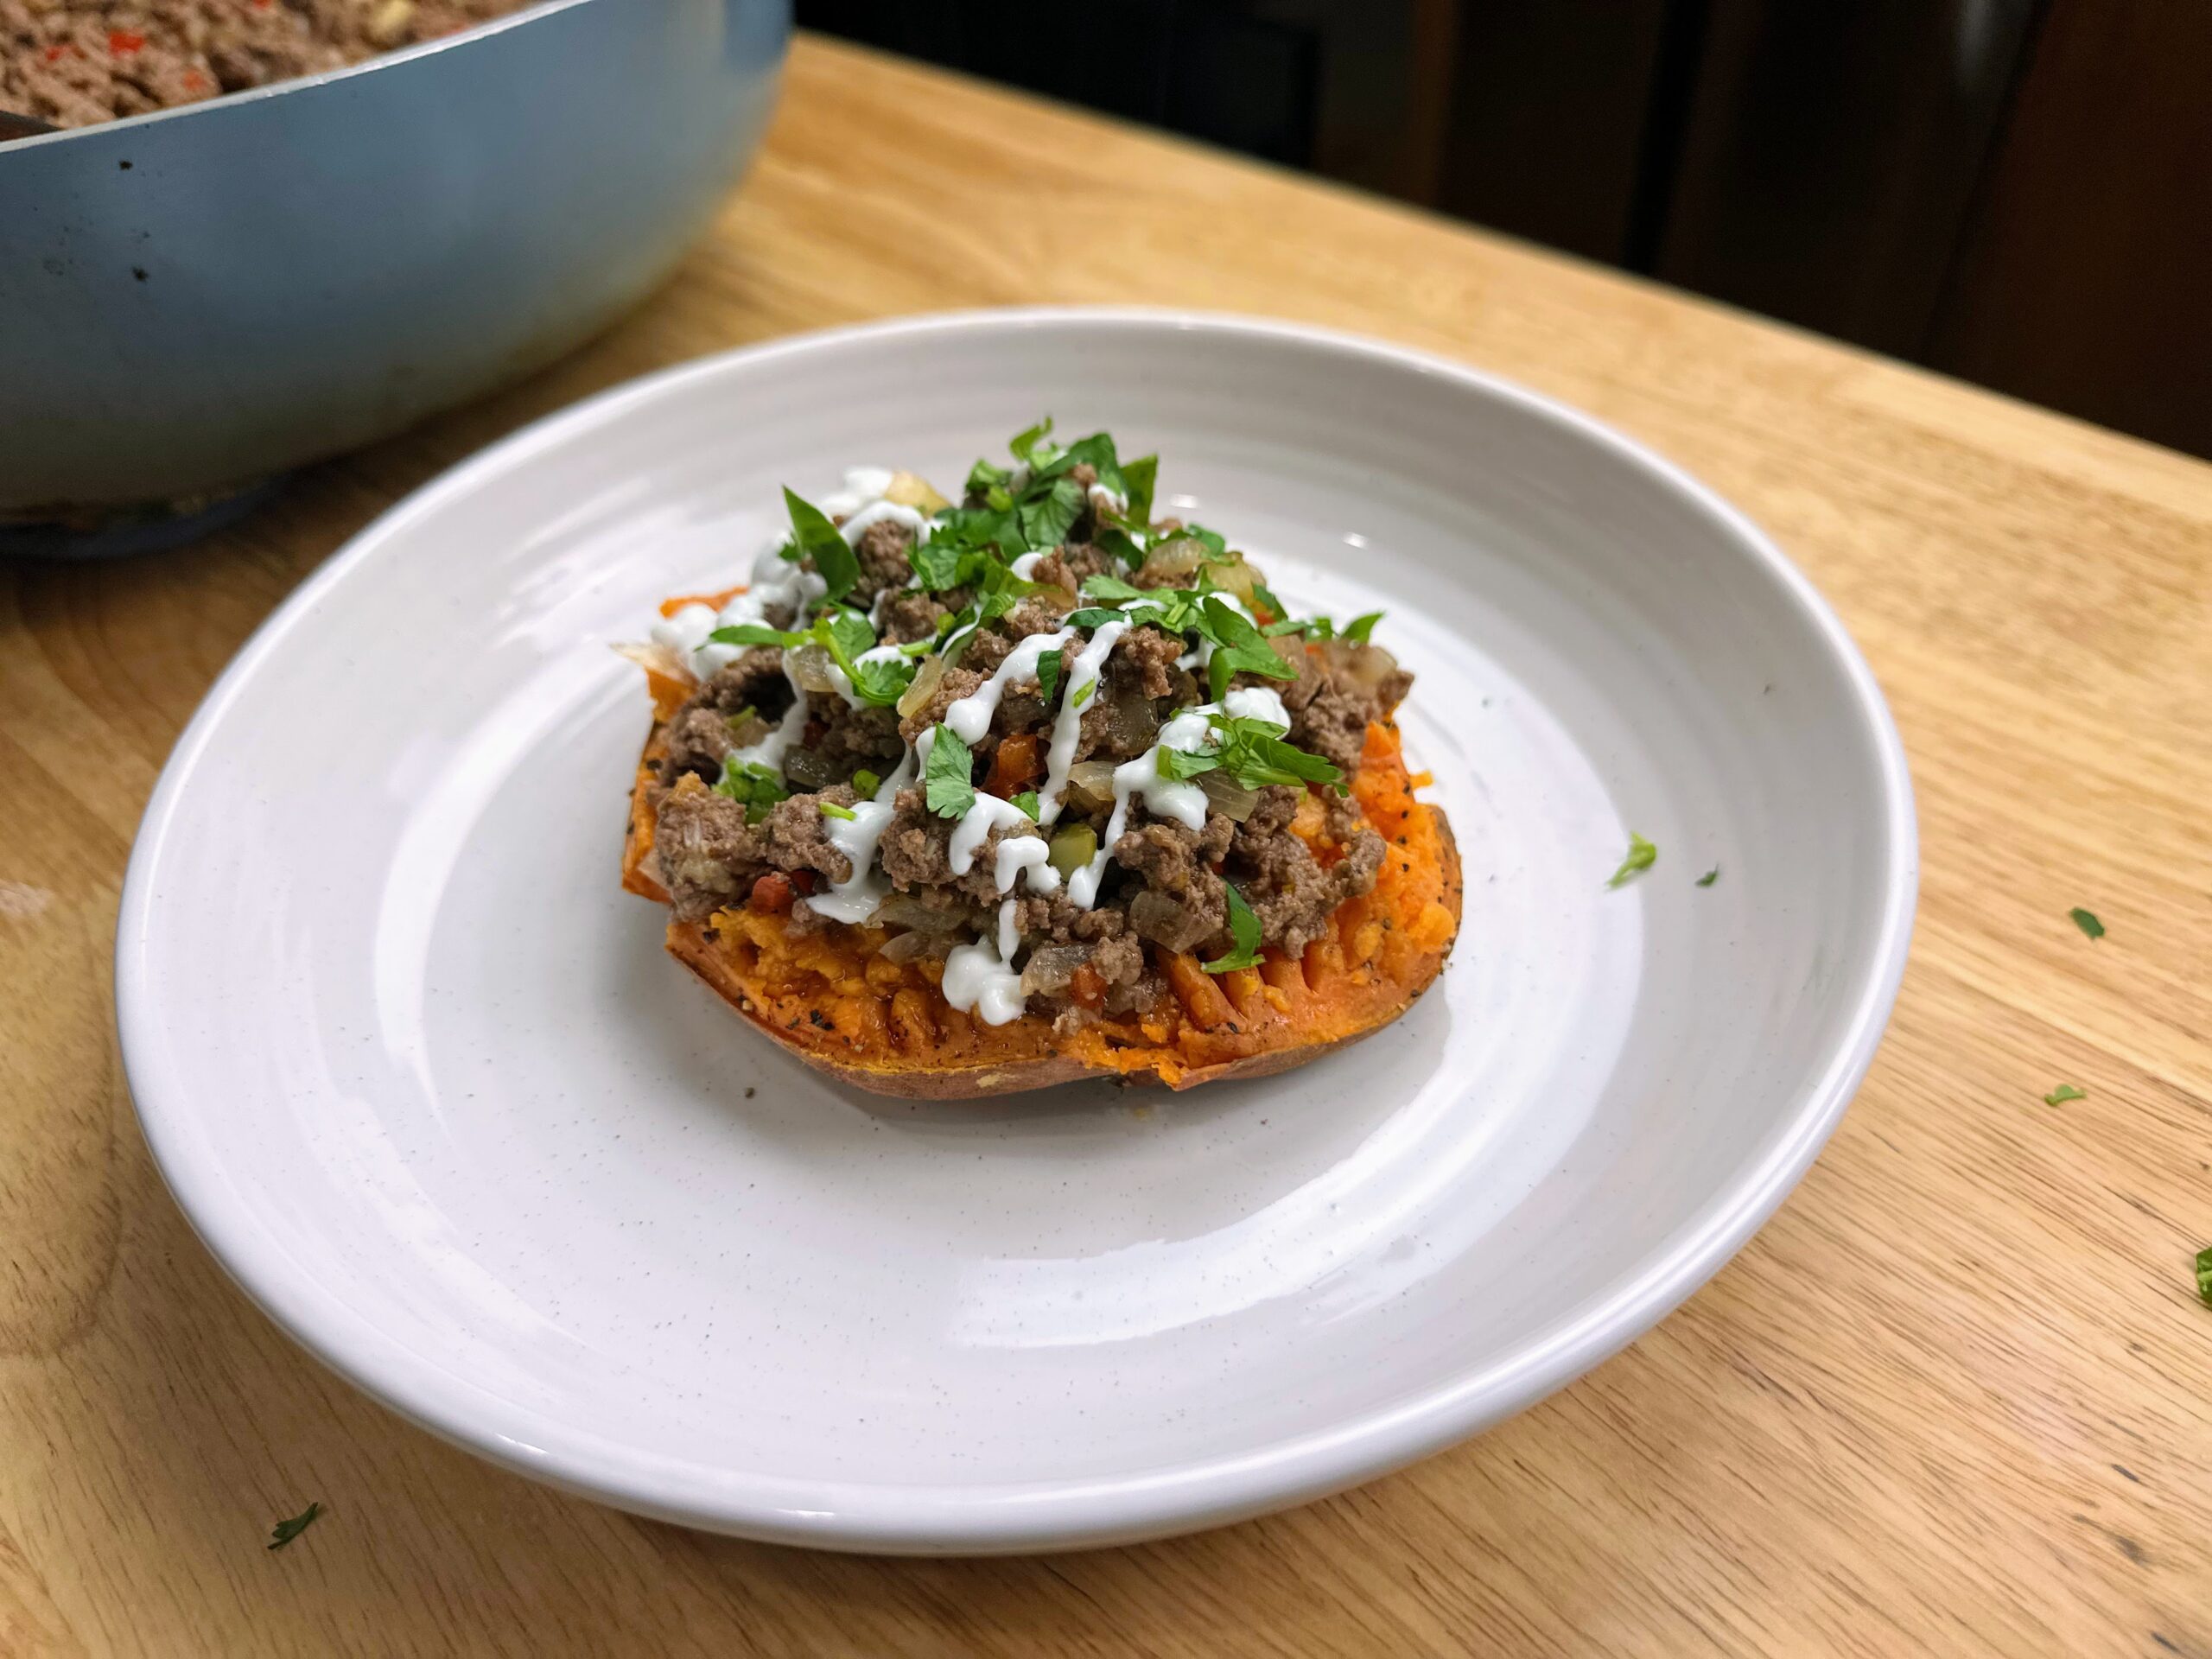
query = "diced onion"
x=904 y=947
x=903 y=910
x=811 y=668
x=805 y=770
x=916 y=697
x=1130 y=724
x=1226 y=796
x=1090 y=785
x=1051 y=966
x=1173 y=560
x=1234 y=574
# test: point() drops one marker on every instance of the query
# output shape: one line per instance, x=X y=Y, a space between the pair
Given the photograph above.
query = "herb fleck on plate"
x=2088 y=922
x=1642 y=855
x=2065 y=1092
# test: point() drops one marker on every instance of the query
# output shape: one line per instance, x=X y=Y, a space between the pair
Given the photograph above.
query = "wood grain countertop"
x=1956 y=1397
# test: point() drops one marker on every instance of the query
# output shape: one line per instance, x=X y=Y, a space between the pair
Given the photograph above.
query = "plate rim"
x=1003 y=1517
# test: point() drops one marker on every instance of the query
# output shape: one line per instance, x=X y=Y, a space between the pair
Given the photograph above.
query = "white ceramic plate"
x=426 y=1084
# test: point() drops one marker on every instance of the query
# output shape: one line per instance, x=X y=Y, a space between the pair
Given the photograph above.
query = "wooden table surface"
x=1956 y=1397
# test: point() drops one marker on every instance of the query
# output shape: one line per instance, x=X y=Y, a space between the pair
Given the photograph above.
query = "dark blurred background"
x=2017 y=192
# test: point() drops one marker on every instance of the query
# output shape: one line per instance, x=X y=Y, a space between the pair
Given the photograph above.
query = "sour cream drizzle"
x=1067 y=724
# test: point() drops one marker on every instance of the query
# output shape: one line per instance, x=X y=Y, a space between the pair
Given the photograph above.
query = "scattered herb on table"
x=285 y=1531
x=2204 y=1275
x=2065 y=1092
x=2088 y=922
x=1709 y=877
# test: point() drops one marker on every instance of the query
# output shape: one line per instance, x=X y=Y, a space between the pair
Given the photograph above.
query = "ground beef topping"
x=953 y=710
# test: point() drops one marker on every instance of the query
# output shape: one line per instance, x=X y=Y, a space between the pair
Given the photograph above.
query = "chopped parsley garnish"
x=813 y=536
x=1238 y=648
x=2065 y=1092
x=1025 y=442
x=948 y=783
x=736 y=722
x=1049 y=664
x=2087 y=922
x=831 y=810
x=754 y=786
x=943 y=563
x=846 y=636
x=1244 y=932
x=1083 y=693
x=865 y=784
x=1212 y=540
x=1359 y=627
x=1709 y=877
x=1025 y=804
x=1045 y=518
x=1252 y=751
x=2204 y=1276
x=1118 y=543
x=1642 y=855
x=1138 y=477
x=1105 y=587
x=284 y=1531
x=984 y=476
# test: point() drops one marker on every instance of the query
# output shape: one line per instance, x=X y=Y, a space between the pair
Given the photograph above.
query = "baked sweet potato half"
x=981 y=799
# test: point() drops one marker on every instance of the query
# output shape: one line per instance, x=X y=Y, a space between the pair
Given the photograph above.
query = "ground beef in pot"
x=74 y=63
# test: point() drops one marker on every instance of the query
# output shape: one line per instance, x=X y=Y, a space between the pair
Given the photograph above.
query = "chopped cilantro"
x=831 y=810
x=736 y=722
x=1046 y=518
x=1049 y=664
x=1244 y=932
x=818 y=539
x=1105 y=587
x=1083 y=693
x=2087 y=922
x=2204 y=1276
x=1138 y=477
x=1273 y=606
x=754 y=786
x=1094 y=616
x=1097 y=450
x=1213 y=541
x=2065 y=1092
x=948 y=783
x=1239 y=648
x=943 y=563
x=1025 y=442
x=757 y=633
x=1025 y=804
x=1118 y=545
x=865 y=784
x=284 y=1531
x=1709 y=877
x=984 y=476
x=1254 y=752
x=848 y=638
x=1359 y=627
x=1642 y=855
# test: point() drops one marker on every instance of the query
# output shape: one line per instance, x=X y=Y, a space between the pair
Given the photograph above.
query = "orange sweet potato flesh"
x=831 y=998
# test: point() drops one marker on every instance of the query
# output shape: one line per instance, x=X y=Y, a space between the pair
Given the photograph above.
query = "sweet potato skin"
x=823 y=1034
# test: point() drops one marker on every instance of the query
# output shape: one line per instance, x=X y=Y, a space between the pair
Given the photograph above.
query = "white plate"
x=426 y=1084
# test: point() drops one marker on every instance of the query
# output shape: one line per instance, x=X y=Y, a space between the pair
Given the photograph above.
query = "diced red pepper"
x=773 y=895
x=123 y=42
x=1016 y=762
x=803 y=879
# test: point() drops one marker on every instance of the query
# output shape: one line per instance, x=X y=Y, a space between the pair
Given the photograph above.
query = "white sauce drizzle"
x=970 y=717
x=858 y=897
x=1027 y=563
x=1029 y=856
x=977 y=981
x=1067 y=726
x=976 y=825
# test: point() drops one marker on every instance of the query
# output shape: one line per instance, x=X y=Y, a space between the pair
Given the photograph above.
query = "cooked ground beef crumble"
x=916 y=746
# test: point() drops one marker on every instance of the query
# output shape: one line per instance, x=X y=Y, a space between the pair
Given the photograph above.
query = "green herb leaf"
x=831 y=810
x=1118 y=545
x=1085 y=692
x=984 y=476
x=1025 y=804
x=998 y=499
x=2204 y=1276
x=2065 y=1092
x=756 y=634
x=2087 y=922
x=743 y=717
x=1272 y=605
x=1180 y=765
x=1359 y=627
x=942 y=564
x=1709 y=877
x=1092 y=616
x=1244 y=932
x=1098 y=449
x=1239 y=648
x=1642 y=855
x=947 y=786
x=1102 y=586
x=1025 y=442
x=1045 y=518
x=847 y=637
x=865 y=784
x=284 y=1531
x=1254 y=753
x=753 y=785
x=820 y=540
x=1215 y=543
x=1138 y=477
x=1049 y=664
